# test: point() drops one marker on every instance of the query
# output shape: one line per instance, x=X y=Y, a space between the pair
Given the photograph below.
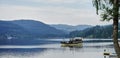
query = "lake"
x=53 y=49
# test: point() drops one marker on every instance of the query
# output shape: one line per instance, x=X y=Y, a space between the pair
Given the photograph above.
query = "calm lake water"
x=54 y=50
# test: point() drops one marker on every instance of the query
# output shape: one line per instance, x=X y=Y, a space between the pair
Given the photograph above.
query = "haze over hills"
x=70 y=28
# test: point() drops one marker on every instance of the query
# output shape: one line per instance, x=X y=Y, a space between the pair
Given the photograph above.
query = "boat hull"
x=71 y=45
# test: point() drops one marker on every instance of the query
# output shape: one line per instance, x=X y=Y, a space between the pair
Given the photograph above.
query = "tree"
x=109 y=9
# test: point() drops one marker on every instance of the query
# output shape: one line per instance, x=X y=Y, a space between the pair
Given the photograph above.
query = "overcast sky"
x=72 y=12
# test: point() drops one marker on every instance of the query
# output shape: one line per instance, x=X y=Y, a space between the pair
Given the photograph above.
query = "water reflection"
x=19 y=53
x=66 y=52
x=89 y=50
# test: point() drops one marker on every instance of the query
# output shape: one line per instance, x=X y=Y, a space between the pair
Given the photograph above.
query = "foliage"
x=105 y=7
x=94 y=32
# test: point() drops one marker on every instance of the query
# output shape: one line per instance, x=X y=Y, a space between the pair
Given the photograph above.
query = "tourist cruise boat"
x=74 y=42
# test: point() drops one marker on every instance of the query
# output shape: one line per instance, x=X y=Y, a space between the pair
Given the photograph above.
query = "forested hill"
x=95 y=32
x=31 y=28
x=39 y=28
x=28 y=28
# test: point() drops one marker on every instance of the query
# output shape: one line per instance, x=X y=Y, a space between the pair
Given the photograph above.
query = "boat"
x=74 y=42
x=110 y=55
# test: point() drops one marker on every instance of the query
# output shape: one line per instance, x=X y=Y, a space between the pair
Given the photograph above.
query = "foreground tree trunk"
x=115 y=37
x=115 y=27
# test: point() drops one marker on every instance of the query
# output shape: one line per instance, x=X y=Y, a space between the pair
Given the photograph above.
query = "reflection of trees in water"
x=73 y=49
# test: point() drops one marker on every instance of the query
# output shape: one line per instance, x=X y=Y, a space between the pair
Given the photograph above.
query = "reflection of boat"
x=75 y=42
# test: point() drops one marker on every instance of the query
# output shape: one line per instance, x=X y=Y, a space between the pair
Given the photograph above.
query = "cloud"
x=58 y=1
x=51 y=3
x=57 y=12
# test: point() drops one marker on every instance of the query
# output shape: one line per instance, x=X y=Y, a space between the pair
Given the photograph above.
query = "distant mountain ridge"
x=38 y=27
x=30 y=31
x=28 y=28
x=70 y=28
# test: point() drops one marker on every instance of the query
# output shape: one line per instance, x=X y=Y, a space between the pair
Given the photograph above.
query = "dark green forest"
x=95 y=32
